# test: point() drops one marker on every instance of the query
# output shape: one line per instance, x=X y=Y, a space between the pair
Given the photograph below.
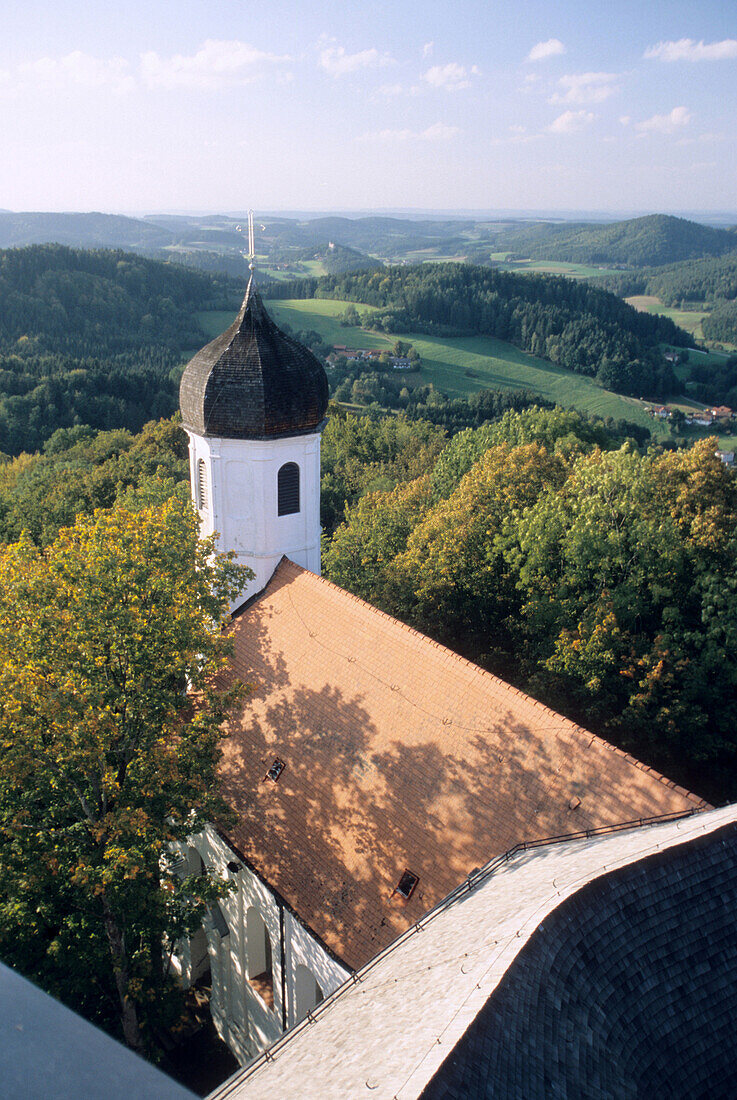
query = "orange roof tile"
x=398 y=754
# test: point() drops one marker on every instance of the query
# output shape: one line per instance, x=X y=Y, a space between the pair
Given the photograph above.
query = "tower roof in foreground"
x=368 y=753
x=600 y=967
x=253 y=381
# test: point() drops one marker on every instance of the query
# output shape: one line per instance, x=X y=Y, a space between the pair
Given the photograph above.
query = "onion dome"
x=253 y=381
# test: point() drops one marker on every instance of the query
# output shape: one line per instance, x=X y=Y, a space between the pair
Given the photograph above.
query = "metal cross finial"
x=251 y=242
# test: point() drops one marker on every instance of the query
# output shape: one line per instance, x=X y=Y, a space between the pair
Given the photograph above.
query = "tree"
x=102 y=764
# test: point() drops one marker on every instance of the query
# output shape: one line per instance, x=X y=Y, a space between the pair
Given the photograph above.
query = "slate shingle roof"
x=399 y=754
x=627 y=990
x=595 y=967
x=253 y=381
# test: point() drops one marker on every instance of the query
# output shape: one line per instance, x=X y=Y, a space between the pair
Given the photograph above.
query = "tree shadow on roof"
x=378 y=778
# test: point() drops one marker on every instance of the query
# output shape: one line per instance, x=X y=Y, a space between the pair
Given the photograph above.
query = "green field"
x=460 y=366
x=550 y=267
x=688 y=319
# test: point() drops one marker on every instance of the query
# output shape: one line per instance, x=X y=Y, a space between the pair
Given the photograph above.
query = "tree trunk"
x=128 y=1014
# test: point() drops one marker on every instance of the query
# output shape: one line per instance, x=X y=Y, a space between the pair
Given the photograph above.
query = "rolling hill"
x=650 y=241
x=81 y=231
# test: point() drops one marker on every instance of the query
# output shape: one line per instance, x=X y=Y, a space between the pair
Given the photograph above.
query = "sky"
x=473 y=105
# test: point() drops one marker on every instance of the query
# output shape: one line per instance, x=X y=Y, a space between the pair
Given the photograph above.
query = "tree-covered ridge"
x=721 y=323
x=648 y=241
x=707 y=280
x=579 y=327
x=87 y=230
x=598 y=578
x=94 y=338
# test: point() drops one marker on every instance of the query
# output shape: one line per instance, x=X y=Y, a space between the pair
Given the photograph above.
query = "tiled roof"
x=398 y=755
x=253 y=381
x=602 y=967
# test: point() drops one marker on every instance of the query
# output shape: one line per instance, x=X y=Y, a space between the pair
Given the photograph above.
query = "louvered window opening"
x=288 y=489
x=201 y=485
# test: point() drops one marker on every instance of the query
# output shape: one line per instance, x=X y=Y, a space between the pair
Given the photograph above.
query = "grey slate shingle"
x=629 y=990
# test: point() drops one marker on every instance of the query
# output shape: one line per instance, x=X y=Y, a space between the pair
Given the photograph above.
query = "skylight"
x=406 y=884
x=275 y=770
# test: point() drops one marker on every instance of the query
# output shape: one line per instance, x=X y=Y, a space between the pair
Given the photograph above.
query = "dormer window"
x=288 y=489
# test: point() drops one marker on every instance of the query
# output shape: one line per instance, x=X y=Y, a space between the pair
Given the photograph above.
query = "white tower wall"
x=241 y=501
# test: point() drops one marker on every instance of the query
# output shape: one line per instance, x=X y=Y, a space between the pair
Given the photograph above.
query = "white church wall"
x=242 y=1016
x=241 y=501
x=304 y=950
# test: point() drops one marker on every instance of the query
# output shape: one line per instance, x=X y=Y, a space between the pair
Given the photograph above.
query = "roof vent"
x=406 y=885
x=233 y=867
x=574 y=803
x=275 y=770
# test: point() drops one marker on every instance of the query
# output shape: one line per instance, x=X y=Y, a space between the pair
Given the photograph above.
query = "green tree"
x=102 y=765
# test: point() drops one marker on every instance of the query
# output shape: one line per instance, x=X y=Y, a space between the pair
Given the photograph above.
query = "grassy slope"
x=445 y=361
x=552 y=267
x=688 y=319
x=495 y=364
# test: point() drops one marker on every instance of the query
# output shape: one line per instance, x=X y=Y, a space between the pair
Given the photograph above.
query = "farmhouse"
x=373 y=772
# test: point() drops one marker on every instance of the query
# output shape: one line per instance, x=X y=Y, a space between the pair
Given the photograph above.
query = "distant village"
x=721 y=415
x=362 y=355
x=718 y=416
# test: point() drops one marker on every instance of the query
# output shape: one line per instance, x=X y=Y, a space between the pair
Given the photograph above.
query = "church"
x=385 y=786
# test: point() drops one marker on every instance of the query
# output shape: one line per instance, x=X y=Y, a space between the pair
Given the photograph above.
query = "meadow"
x=550 y=267
x=458 y=366
x=688 y=319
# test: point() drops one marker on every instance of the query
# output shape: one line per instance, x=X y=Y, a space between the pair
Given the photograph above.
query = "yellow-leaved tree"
x=104 y=636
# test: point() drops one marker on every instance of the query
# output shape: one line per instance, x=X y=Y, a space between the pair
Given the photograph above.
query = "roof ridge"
x=286 y=564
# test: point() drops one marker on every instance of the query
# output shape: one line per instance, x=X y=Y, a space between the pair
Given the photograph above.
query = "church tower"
x=253 y=403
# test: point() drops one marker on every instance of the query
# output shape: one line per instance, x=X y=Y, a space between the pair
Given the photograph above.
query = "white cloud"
x=586 y=88
x=452 y=76
x=625 y=120
x=688 y=49
x=543 y=50
x=335 y=60
x=427 y=49
x=75 y=69
x=391 y=90
x=665 y=124
x=216 y=64
x=570 y=122
x=439 y=131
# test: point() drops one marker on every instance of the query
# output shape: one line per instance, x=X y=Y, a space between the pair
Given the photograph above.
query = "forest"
x=94 y=338
x=595 y=573
x=652 y=240
x=576 y=326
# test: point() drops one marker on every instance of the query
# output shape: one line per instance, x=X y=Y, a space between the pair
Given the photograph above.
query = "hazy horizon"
x=179 y=106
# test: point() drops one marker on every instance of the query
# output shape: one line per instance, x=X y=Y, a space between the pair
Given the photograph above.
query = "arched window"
x=258 y=947
x=201 y=485
x=288 y=489
x=308 y=993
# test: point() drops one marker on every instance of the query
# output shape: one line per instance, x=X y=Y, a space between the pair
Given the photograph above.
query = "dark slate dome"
x=253 y=381
x=626 y=991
